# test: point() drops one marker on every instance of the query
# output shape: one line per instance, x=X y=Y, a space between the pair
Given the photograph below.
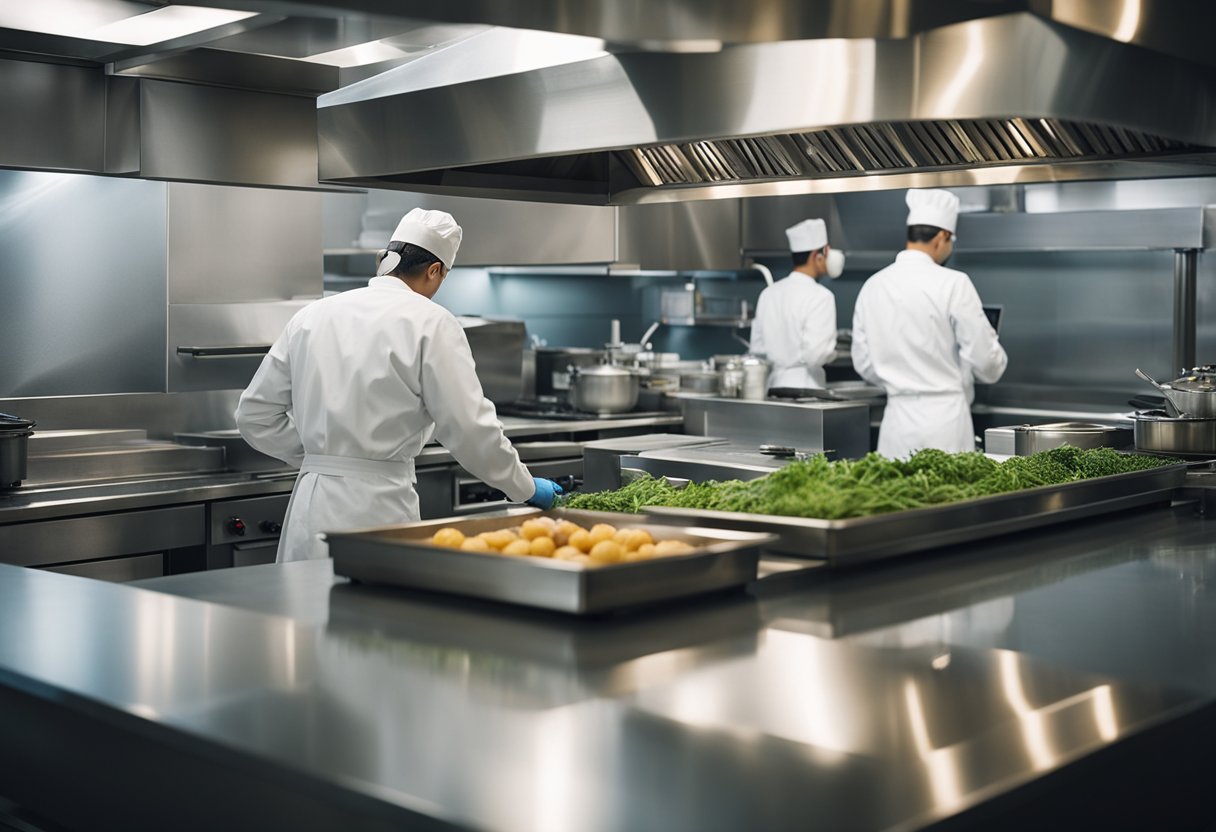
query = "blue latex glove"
x=546 y=493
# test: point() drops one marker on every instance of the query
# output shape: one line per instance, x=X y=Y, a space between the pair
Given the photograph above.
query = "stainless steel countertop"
x=28 y=503
x=881 y=699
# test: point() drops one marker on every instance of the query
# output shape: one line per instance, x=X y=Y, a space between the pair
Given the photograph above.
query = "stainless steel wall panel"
x=208 y=134
x=122 y=126
x=227 y=245
x=54 y=116
x=84 y=284
x=682 y=235
x=218 y=325
x=498 y=233
x=160 y=414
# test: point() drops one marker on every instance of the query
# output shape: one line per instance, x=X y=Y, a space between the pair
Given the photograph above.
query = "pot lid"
x=12 y=424
x=1069 y=427
x=1197 y=381
x=602 y=370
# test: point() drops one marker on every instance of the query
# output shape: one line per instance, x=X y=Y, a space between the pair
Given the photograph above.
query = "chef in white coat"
x=357 y=382
x=795 y=322
x=919 y=331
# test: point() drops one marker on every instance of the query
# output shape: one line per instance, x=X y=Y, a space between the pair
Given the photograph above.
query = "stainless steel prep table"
x=853 y=703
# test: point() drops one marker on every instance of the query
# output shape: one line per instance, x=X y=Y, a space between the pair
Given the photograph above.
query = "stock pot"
x=603 y=388
x=15 y=434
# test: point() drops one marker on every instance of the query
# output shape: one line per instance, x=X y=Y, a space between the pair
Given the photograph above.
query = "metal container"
x=15 y=434
x=1030 y=439
x=404 y=556
x=861 y=539
x=1191 y=394
x=730 y=377
x=553 y=368
x=755 y=377
x=603 y=389
x=1194 y=394
x=1157 y=432
x=699 y=381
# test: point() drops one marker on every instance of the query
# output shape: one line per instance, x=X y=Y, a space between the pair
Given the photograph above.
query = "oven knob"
x=270 y=526
x=235 y=525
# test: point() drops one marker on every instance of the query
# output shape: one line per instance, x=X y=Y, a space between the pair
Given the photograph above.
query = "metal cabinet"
x=119 y=546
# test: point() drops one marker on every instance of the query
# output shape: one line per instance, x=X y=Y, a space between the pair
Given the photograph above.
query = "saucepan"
x=1192 y=394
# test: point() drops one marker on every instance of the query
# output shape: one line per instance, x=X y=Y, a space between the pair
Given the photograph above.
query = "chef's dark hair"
x=800 y=257
x=414 y=259
x=923 y=233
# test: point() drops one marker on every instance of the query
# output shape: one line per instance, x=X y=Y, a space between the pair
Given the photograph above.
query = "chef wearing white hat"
x=357 y=382
x=919 y=331
x=795 y=323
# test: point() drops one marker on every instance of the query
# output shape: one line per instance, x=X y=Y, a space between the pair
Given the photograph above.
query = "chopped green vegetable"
x=870 y=485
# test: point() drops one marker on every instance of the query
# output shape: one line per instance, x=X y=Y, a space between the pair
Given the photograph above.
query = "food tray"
x=402 y=555
x=861 y=539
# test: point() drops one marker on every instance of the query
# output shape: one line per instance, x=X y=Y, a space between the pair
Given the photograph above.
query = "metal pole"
x=1186 y=271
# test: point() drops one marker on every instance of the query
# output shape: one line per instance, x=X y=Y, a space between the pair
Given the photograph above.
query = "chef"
x=357 y=382
x=795 y=323
x=919 y=331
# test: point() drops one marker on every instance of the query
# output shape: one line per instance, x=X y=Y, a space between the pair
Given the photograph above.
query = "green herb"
x=870 y=485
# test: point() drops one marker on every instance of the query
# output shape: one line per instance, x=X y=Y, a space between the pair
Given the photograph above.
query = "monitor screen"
x=993 y=313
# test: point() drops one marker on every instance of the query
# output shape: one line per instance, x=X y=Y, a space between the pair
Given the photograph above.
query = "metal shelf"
x=709 y=320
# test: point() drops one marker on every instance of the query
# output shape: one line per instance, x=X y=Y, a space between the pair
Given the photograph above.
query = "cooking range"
x=564 y=411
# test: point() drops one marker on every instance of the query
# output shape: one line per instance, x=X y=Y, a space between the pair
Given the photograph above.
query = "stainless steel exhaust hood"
x=1008 y=99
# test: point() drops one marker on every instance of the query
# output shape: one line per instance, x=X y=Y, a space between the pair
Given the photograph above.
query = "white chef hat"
x=435 y=231
x=808 y=235
x=931 y=206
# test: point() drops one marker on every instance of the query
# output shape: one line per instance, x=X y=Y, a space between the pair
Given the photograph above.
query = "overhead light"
x=165 y=24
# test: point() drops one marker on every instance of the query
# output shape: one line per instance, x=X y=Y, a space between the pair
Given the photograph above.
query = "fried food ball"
x=449 y=537
x=646 y=551
x=498 y=540
x=581 y=540
x=532 y=529
x=634 y=556
x=518 y=547
x=632 y=538
x=606 y=551
x=547 y=522
x=475 y=544
x=563 y=531
x=567 y=553
x=543 y=547
x=601 y=532
x=671 y=547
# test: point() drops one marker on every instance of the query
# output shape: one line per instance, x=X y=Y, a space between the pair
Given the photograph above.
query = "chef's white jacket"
x=795 y=328
x=919 y=331
x=351 y=391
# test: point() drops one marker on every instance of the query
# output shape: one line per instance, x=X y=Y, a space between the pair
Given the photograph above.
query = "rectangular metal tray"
x=861 y=539
x=403 y=556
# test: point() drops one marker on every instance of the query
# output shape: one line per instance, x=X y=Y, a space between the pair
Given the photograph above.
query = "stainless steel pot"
x=755 y=377
x=15 y=435
x=1158 y=432
x=1030 y=439
x=603 y=389
x=1192 y=394
x=553 y=368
